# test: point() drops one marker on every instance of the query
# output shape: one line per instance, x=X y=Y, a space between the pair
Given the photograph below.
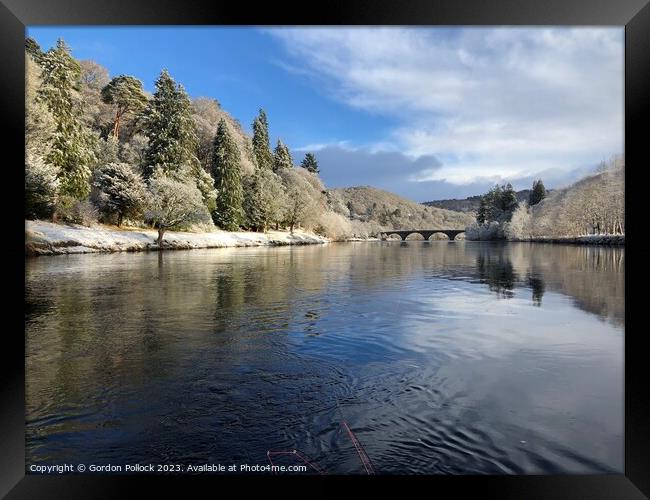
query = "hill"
x=471 y=203
x=593 y=205
x=384 y=210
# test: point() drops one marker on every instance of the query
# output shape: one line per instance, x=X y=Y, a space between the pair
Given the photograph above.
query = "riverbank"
x=592 y=239
x=47 y=238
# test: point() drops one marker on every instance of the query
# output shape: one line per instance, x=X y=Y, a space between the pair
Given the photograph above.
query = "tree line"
x=100 y=148
x=594 y=205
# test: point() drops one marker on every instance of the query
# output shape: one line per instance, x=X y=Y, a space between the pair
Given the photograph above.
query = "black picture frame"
x=633 y=14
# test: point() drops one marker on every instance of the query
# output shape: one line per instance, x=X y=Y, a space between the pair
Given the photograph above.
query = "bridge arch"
x=440 y=236
x=415 y=236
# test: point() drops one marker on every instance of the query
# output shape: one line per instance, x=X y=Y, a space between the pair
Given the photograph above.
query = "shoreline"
x=592 y=239
x=48 y=238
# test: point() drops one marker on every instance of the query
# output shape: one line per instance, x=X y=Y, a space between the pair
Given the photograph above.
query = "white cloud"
x=490 y=102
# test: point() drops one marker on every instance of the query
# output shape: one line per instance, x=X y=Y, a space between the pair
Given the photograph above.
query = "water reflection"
x=444 y=357
x=495 y=268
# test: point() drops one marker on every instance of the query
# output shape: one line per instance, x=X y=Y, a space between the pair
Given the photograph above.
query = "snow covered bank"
x=47 y=238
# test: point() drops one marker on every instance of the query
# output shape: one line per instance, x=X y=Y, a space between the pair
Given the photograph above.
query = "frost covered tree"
x=205 y=184
x=497 y=205
x=264 y=200
x=281 y=157
x=71 y=145
x=173 y=204
x=41 y=187
x=172 y=145
x=97 y=115
x=305 y=198
x=261 y=144
x=33 y=49
x=519 y=227
x=538 y=193
x=126 y=95
x=133 y=150
x=122 y=192
x=39 y=122
x=41 y=178
x=169 y=127
x=309 y=162
x=106 y=151
x=226 y=172
x=297 y=207
x=207 y=113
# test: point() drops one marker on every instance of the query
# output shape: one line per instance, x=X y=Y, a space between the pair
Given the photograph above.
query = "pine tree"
x=169 y=126
x=482 y=213
x=261 y=145
x=226 y=171
x=538 y=193
x=281 y=157
x=498 y=204
x=71 y=144
x=310 y=163
x=125 y=93
x=508 y=202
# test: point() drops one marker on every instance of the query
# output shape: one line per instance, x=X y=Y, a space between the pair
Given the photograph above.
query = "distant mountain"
x=472 y=203
x=371 y=205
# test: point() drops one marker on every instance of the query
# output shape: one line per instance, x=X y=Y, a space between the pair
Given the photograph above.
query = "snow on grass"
x=47 y=238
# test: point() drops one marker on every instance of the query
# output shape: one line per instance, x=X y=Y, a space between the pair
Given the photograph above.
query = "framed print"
x=383 y=240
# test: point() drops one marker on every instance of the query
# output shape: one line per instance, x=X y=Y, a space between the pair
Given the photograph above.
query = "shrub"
x=73 y=211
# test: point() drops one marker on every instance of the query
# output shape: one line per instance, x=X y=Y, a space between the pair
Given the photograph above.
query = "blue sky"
x=426 y=113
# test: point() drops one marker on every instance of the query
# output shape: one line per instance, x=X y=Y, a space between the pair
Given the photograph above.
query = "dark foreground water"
x=443 y=357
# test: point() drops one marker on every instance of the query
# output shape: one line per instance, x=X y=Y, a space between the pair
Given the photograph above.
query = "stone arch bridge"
x=425 y=233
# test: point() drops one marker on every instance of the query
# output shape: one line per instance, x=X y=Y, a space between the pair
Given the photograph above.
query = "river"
x=443 y=357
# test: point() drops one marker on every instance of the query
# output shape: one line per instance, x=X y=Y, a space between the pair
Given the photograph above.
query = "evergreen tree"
x=310 y=163
x=482 y=213
x=226 y=172
x=498 y=204
x=281 y=157
x=71 y=145
x=33 y=49
x=169 y=126
x=125 y=93
x=261 y=145
x=538 y=193
x=122 y=192
x=508 y=201
x=41 y=187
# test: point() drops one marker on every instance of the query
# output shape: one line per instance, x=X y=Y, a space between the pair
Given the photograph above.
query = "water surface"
x=445 y=358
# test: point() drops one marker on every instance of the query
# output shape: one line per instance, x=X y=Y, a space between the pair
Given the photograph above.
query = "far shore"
x=591 y=239
x=48 y=238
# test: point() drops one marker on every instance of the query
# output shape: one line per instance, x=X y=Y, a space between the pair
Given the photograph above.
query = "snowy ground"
x=47 y=238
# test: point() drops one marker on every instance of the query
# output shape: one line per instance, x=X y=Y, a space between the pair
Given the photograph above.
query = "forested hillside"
x=100 y=149
x=592 y=206
x=471 y=203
